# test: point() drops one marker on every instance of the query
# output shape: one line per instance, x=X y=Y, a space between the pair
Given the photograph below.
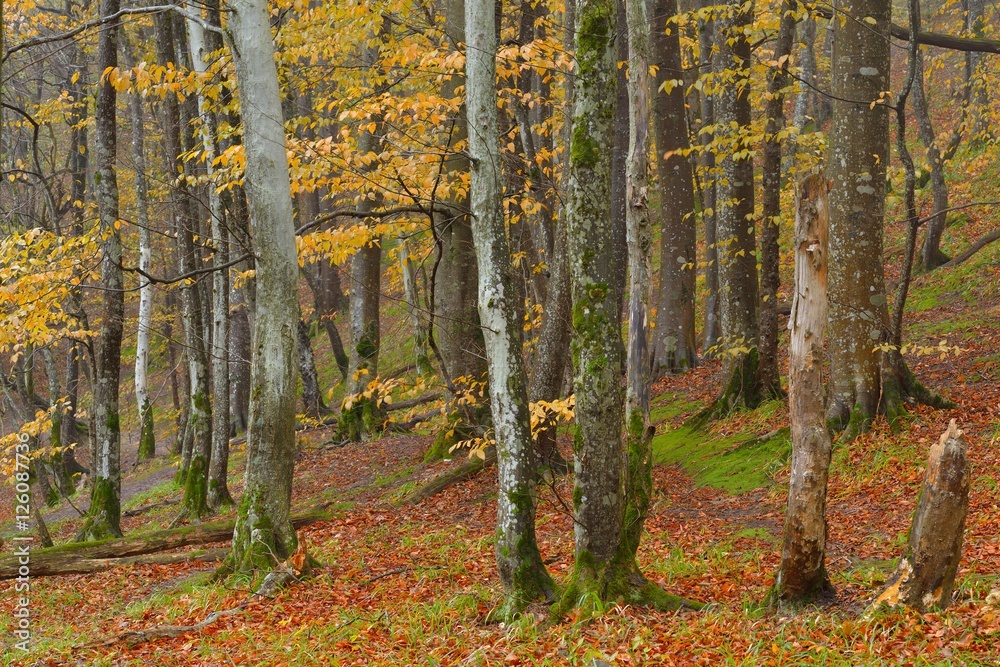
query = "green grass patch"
x=735 y=464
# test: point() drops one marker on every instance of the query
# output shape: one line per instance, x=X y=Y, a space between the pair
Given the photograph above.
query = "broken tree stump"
x=802 y=573
x=925 y=575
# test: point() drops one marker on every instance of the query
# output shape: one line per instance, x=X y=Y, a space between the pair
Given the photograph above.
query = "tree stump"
x=925 y=575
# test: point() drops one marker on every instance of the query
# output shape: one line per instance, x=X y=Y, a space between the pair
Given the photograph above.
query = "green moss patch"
x=735 y=464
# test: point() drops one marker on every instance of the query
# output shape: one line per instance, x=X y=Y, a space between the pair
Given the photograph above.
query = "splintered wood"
x=925 y=575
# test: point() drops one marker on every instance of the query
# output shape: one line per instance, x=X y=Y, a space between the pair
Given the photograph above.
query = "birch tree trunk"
x=264 y=532
x=674 y=347
x=522 y=573
x=104 y=516
x=147 y=439
x=802 y=573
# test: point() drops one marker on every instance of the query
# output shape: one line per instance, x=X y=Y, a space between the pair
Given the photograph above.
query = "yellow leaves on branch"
x=38 y=269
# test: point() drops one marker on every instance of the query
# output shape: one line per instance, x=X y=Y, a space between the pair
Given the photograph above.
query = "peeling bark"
x=802 y=573
x=925 y=576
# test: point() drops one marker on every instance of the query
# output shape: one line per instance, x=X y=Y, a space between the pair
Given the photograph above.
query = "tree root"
x=136 y=637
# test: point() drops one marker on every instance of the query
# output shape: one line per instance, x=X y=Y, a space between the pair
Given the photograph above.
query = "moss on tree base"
x=104 y=517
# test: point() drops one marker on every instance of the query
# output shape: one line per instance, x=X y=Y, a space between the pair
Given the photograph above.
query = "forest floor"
x=413 y=584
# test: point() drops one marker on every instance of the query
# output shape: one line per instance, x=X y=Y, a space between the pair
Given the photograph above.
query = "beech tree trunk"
x=738 y=292
x=203 y=43
x=770 y=253
x=710 y=338
x=264 y=533
x=619 y=156
x=196 y=444
x=364 y=417
x=421 y=352
x=104 y=516
x=522 y=573
x=638 y=432
x=802 y=573
x=931 y=255
x=674 y=346
x=807 y=60
x=925 y=576
x=147 y=438
x=599 y=461
x=312 y=398
x=859 y=150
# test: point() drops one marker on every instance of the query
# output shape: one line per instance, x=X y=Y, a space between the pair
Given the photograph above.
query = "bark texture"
x=770 y=253
x=501 y=311
x=738 y=287
x=925 y=576
x=802 y=573
x=104 y=517
x=674 y=347
x=859 y=150
x=264 y=532
x=147 y=439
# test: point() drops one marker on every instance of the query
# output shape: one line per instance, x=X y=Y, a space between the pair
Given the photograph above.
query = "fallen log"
x=925 y=576
x=983 y=241
x=461 y=473
x=47 y=562
x=84 y=565
x=413 y=402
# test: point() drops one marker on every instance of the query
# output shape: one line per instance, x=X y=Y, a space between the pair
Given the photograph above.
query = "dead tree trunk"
x=925 y=575
x=802 y=574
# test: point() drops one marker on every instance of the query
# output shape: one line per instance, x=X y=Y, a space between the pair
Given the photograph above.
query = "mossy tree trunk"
x=264 y=533
x=859 y=149
x=501 y=311
x=104 y=516
x=364 y=417
x=802 y=573
x=604 y=565
x=312 y=398
x=203 y=43
x=196 y=444
x=931 y=254
x=147 y=438
x=674 y=346
x=64 y=480
x=599 y=480
x=735 y=241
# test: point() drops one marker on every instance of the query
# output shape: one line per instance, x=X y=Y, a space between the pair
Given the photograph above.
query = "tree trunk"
x=202 y=44
x=264 y=535
x=802 y=573
x=312 y=398
x=706 y=41
x=599 y=480
x=63 y=479
x=195 y=453
x=619 y=157
x=925 y=576
x=859 y=150
x=454 y=323
x=147 y=438
x=931 y=255
x=519 y=562
x=674 y=346
x=770 y=253
x=803 y=108
x=421 y=352
x=638 y=432
x=738 y=293
x=104 y=517
x=975 y=25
